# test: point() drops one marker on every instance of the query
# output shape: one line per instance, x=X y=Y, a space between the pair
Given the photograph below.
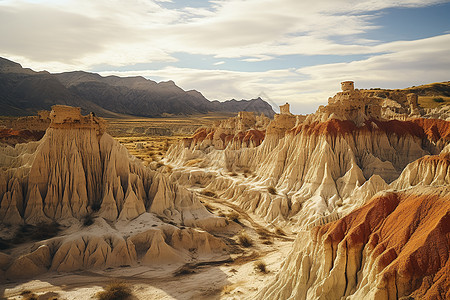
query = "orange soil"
x=410 y=235
x=12 y=137
x=431 y=129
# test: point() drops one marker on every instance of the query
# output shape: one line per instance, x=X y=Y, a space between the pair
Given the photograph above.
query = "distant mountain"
x=24 y=91
x=256 y=105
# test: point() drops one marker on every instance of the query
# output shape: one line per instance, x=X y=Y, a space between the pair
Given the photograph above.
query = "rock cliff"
x=77 y=171
x=317 y=168
x=396 y=246
x=368 y=197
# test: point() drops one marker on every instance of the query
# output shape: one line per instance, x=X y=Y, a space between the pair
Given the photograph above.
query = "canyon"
x=351 y=202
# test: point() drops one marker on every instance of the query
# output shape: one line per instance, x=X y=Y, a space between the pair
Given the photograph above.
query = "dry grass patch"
x=116 y=290
x=245 y=240
x=433 y=101
x=27 y=233
x=261 y=267
x=265 y=236
x=88 y=220
x=233 y=216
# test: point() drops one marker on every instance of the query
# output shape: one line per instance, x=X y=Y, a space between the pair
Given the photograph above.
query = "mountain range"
x=24 y=91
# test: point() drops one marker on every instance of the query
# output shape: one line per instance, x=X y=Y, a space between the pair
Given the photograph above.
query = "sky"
x=293 y=51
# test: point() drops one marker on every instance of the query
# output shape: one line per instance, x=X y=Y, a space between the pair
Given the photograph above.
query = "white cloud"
x=412 y=63
x=219 y=63
x=258 y=58
x=73 y=35
x=84 y=32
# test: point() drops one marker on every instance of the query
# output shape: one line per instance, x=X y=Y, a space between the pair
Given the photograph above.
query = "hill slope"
x=23 y=92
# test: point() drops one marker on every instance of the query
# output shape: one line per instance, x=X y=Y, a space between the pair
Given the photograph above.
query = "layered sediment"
x=320 y=170
x=395 y=246
x=77 y=171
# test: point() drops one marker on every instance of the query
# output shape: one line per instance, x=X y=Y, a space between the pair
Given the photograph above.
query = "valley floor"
x=237 y=278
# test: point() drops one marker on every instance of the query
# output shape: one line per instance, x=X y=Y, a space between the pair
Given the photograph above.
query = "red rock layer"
x=432 y=129
x=410 y=236
x=12 y=137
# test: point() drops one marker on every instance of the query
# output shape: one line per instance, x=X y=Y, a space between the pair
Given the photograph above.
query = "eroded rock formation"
x=244 y=130
x=320 y=170
x=395 y=246
x=77 y=171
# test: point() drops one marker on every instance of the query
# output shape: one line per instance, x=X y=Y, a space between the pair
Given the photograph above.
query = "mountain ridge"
x=24 y=92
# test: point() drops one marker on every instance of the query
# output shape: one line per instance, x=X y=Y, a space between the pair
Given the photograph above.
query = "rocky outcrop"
x=244 y=130
x=30 y=265
x=395 y=246
x=321 y=166
x=430 y=170
x=102 y=246
x=77 y=171
x=352 y=105
x=320 y=170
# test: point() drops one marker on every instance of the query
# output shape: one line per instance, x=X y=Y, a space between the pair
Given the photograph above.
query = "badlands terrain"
x=351 y=202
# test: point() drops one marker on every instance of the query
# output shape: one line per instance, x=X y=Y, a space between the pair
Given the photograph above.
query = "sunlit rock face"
x=77 y=170
x=397 y=245
x=244 y=130
x=320 y=170
x=368 y=197
x=319 y=167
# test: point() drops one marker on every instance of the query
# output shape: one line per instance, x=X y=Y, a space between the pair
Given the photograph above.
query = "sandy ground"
x=208 y=282
x=236 y=279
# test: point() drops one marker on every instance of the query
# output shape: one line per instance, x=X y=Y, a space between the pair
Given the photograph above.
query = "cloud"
x=88 y=32
x=54 y=38
x=307 y=88
x=73 y=35
x=258 y=58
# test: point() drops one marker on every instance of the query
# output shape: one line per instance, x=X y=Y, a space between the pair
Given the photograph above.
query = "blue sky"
x=292 y=51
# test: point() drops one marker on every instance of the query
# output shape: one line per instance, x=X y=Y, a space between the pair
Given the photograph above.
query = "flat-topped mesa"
x=32 y=123
x=351 y=104
x=347 y=86
x=282 y=122
x=68 y=117
x=285 y=109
